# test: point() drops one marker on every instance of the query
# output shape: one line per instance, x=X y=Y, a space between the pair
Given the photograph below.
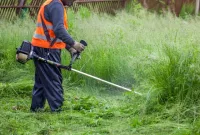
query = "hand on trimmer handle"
x=77 y=55
x=79 y=47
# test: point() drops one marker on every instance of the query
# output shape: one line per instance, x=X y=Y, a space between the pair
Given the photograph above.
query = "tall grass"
x=152 y=54
x=187 y=10
x=162 y=51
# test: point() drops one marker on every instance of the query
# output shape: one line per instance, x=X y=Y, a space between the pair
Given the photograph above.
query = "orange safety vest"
x=39 y=39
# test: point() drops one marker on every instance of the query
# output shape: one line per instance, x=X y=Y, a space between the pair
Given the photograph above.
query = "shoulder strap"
x=47 y=33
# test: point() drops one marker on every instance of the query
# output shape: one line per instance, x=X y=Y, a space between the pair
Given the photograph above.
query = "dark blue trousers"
x=48 y=81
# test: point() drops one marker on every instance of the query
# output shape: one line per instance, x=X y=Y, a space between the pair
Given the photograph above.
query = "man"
x=48 y=40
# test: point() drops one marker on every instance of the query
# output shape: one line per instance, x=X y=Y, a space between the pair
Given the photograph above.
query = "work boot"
x=57 y=110
x=37 y=110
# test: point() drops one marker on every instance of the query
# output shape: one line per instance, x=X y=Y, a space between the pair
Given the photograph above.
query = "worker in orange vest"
x=49 y=38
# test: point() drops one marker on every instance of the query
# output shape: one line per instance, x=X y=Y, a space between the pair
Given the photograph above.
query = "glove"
x=78 y=47
x=72 y=51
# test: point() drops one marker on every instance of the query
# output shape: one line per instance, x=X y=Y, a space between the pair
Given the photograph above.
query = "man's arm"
x=55 y=14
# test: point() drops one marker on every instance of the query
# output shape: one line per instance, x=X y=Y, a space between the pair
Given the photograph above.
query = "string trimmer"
x=25 y=52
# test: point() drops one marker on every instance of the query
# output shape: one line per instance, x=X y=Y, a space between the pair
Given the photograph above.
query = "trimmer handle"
x=83 y=42
x=77 y=55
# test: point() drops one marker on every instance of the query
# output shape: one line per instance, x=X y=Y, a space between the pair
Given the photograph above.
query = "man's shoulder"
x=55 y=7
x=55 y=4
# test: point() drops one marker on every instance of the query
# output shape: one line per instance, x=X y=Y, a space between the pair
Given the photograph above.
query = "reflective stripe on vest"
x=49 y=27
x=44 y=37
x=39 y=39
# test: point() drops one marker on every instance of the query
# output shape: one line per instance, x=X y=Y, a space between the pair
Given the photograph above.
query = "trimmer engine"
x=24 y=52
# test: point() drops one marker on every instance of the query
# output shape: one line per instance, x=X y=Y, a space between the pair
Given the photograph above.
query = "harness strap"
x=46 y=32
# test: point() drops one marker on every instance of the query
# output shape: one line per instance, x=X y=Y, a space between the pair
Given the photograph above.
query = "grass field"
x=156 y=55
